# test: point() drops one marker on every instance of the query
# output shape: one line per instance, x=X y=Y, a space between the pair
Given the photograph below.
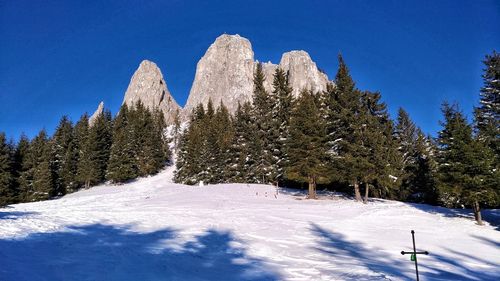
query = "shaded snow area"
x=152 y=229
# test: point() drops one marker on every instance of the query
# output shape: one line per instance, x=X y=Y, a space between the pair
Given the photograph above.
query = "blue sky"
x=63 y=57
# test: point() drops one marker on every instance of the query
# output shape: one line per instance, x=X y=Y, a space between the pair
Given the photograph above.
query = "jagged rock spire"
x=148 y=86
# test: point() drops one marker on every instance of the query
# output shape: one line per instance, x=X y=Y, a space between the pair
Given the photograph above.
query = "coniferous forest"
x=340 y=139
x=344 y=139
x=82 y=155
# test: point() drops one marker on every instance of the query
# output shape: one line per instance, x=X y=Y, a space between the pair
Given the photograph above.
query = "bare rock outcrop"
x=303 y=72
x=148 y=86
x=224 y=73
x=99 y=111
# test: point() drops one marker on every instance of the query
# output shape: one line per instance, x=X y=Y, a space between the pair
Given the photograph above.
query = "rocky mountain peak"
x=99 y=111
x=303 y=72
x=224 y=73
x=148 y=86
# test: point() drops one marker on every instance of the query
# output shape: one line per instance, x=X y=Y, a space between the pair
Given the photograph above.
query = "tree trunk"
x=367 y=190
x=356 y=191
x=477 y=212
x=312 y=187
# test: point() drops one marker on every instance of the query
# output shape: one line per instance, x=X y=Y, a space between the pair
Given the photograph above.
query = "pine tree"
x=62 y=143
x=383 y=168
x=122 y=165
x=80 y=137
x=418 y=166
x=189 y=165
x=151 y=149
x=487 y=115
x=465 y=165
x=262 y=118
x=345 y=125
x=222 y=133
x=20 y=165
x=245 y=153
x=7 y=192
x=306 y=145
x=176 y=130
x=37 y=178
x=282 y=95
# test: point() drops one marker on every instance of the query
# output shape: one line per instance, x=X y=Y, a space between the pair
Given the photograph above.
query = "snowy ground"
x=152 y=229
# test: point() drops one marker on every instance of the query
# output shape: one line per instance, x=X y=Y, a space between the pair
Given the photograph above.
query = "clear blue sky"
x=63 y=57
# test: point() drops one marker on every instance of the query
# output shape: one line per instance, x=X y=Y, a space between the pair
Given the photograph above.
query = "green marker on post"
x=414 y=254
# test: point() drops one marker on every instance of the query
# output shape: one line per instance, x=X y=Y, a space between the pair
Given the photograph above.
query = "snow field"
x=152 y=229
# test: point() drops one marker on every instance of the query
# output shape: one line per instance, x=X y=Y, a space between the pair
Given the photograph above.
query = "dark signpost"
x=414 y=254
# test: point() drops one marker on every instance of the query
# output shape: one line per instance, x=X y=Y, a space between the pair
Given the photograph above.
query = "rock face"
x=303 y=72
x=148 y=86
x=224 y=73
x=99 y=111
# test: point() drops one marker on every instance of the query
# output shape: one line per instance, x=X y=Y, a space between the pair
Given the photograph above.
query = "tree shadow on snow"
x=492 y=216
x=14 y=215
x=350 y=259
x=355 y=257
x=103 y=252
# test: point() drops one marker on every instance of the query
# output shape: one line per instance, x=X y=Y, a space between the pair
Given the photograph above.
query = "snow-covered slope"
x=153 y=229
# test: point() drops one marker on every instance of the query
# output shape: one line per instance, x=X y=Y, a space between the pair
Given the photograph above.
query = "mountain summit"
x=148 y=86
x=223 y=74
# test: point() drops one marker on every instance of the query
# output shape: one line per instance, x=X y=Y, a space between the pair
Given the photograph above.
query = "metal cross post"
x=414 y=253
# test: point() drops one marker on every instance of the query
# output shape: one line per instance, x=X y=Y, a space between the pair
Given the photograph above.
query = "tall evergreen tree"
x=176 y=130
x=188 y=165
x=487 y=115
x=122 y=165
x=223 y=133
x=306 y=145
x=264 y=134
x=345 y=125
x=245 y=153
x=383 y=171
x=282 y=95
x=95 y=150
x=37 y=181
x=418 y=166
x=62 y=144
x=19 y=163
x=80 y=137
x=7 y=192
x=464 y=165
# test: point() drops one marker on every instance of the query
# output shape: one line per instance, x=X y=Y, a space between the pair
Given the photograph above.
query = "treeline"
x=78 y=156
x=344 y=138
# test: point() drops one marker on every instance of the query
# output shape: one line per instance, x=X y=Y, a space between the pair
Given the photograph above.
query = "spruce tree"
x=37 y=182
x=487 y=115
x=189 y=166
x=62 y=144
x=417 y=159
x=176 y=130
x=306 y=145
x=262 y=118
x=383 y=169
x=95 y=150
x=80 y=136
x=7 y=192
x=465 y=165
x=245 y=153
x=282 y=95
x=122 y=164
x=222 y=133
x=345 y=125
x=20 y=165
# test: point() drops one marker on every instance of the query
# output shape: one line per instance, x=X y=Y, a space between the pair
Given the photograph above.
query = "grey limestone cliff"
x=148 y=86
